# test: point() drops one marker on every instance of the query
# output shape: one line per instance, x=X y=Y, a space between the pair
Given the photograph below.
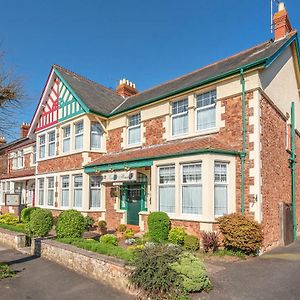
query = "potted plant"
x=102 y=225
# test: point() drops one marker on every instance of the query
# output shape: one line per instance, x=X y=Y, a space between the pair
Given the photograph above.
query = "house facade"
x=215 y=141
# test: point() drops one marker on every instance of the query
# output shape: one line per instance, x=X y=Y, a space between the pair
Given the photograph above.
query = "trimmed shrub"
x=8 y=219
x=89 y=222
x=210 y=241
x=41 y=222
x=240 y=233
x=191 y=242
x=193 y=273
x=71 y=224
x=102 y=224
x=153 y=273
x=159 y=226
x=26 y=213
x=176 y=236
x=109 y=239
x=122 y=228
x=128 y=234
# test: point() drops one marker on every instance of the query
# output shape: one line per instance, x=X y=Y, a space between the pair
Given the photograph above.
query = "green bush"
x=8 y=219
x=191 y=243
x=128 y=234
x=109 y=239
x=153 y=273
x=41 y=222
x=21 y=227
x=176 y=236
x=70 y=224
x=89 y=222
x=122 y=228
x=102 y=248
x=26 y=213
x=6 y=271
x=159 y=226
x=102 y=224
x=240 y=233
x=193 y=273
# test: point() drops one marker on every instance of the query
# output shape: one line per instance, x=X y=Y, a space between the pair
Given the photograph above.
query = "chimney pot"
x=282 y=25
x=126 y=88
x=24 y=129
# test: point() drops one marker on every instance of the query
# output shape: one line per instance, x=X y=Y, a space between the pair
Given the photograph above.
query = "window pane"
x=77 y=198
x=79 y=127
x=191 y=173
x=167 y=199
x=50 y=183
x=206 y=118
x=65 y=181
x=95 y=201
x=41 y=191
x=66 y=145
x=51 y=136
x=180 y=124
x=51 y=149
x=78 y=181
x=179 y=106
x=134 y=135
x=220 y=200
x=67 y=131
x=206 y=99
x=65 y=198
x=167 y=175
x=221 y=172
x=79 y=142
x=50 y=197
x=96 y=136
x=134 y=120
x=192 y=199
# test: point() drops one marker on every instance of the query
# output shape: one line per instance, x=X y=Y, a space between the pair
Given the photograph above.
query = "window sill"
x=132 y=146
x=194 y=134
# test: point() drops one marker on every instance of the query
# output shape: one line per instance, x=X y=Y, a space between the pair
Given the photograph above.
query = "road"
x=39 y=279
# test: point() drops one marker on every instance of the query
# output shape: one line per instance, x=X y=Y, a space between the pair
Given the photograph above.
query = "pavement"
x=39 y=279
x=274 y=275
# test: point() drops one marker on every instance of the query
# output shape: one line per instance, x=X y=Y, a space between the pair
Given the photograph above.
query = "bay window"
x=50 y=191
x=221 y=188
x=41 y=191
x=166 y=189
x=179 y=117
x=66 y=138
x=42 y=146
x=134 y=129
x=206 y=110
x=65 y=186
x=96 y=136
x=77 y=191
x=95 y=189
x=191 y=189
x=51 y=143
x=79 y=135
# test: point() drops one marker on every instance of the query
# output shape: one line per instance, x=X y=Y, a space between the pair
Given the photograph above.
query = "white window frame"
x=182 y=184
x=94 y=133
x=41 y=191
x=178 y=115
x=42 y=145
x=34 y=155
x=131 y=127
x=95 y=188
x=78 y=135
x=50 y=143
x=62 y=188
x=220 y=183
x=66 y=138
x=207 y=107
x=166 y=185
x=51 y=189
x=20 y=159
x=75 y=188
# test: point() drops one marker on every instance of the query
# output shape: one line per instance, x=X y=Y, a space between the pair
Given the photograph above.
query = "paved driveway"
x=275 y=275
x=39 y=279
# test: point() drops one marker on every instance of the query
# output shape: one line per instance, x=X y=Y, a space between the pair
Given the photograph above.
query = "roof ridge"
x=202 y=68
x=86 y=79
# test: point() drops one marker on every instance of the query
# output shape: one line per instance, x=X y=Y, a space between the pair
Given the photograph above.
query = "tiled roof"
x=171 y=148
x=19 y=173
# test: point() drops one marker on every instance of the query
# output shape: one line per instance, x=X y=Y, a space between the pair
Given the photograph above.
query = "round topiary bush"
x=176 y=236
x=159 y=226
x=41 y=222
x=70 y=224
x=109 y=239
x=191 y=242
x=241 y=233
x=26 y=213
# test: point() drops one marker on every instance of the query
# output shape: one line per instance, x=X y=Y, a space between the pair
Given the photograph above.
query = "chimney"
x=24 y=129
x=2 y=140
x=282 y=25
x=126 y=88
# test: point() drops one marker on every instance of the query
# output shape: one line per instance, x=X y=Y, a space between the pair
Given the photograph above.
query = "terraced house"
x=218 y=140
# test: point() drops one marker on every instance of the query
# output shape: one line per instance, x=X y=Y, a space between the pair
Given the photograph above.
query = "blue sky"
x=147 y=42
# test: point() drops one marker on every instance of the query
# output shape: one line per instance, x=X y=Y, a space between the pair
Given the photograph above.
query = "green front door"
x=134 y=198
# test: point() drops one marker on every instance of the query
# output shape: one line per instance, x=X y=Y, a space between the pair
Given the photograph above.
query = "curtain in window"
x=220 y=200
x=79 y=141
x=206 y=118
x=192 y=199
x=180 y=124
x=95 y=198
x=50 y=197
x=77 y=197
x=134 y=135
x=96 y=135
x=167 y=199
x=65 y=198
x=66 y=145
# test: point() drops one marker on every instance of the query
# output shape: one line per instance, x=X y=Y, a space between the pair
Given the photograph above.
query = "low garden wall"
x=100 y=267
x=12 y=239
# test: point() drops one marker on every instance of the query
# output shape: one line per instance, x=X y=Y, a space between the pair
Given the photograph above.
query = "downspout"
x=243 y=153
x=293 y=170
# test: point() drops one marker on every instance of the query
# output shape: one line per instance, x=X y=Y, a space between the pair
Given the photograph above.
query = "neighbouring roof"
x=17 y=144
x=178 y=147
x=19 y=173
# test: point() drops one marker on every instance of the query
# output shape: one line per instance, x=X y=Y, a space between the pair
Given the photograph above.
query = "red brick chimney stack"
x=126 y=88
x=282 y=24
x=24 y=129
x=2 y=140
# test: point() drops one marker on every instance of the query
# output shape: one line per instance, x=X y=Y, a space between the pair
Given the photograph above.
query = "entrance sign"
x=119 y=176
x=12 y=199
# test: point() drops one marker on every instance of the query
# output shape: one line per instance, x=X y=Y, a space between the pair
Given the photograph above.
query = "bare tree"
x=10 y=98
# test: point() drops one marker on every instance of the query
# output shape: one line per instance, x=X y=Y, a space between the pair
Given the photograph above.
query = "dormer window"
x=206 y=110
x=134 y=129
x=180 y=117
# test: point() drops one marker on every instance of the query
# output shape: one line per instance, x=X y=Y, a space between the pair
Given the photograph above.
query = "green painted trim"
x=85 y=108
x=64 y=118
x=147 y=162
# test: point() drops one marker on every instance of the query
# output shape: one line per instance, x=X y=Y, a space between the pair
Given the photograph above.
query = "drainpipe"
x=293 y=170
x=243 y=153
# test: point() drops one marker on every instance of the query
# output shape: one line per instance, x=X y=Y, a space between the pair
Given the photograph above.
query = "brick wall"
x=154 y=131
x=114 y=140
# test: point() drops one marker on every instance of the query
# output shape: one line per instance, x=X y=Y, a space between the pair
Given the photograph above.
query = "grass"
x=222 y=253
x=99 y=247
x=20 y=227
x=5 y=271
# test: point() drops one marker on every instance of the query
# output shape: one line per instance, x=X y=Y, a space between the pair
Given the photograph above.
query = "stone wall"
x=12 y=239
